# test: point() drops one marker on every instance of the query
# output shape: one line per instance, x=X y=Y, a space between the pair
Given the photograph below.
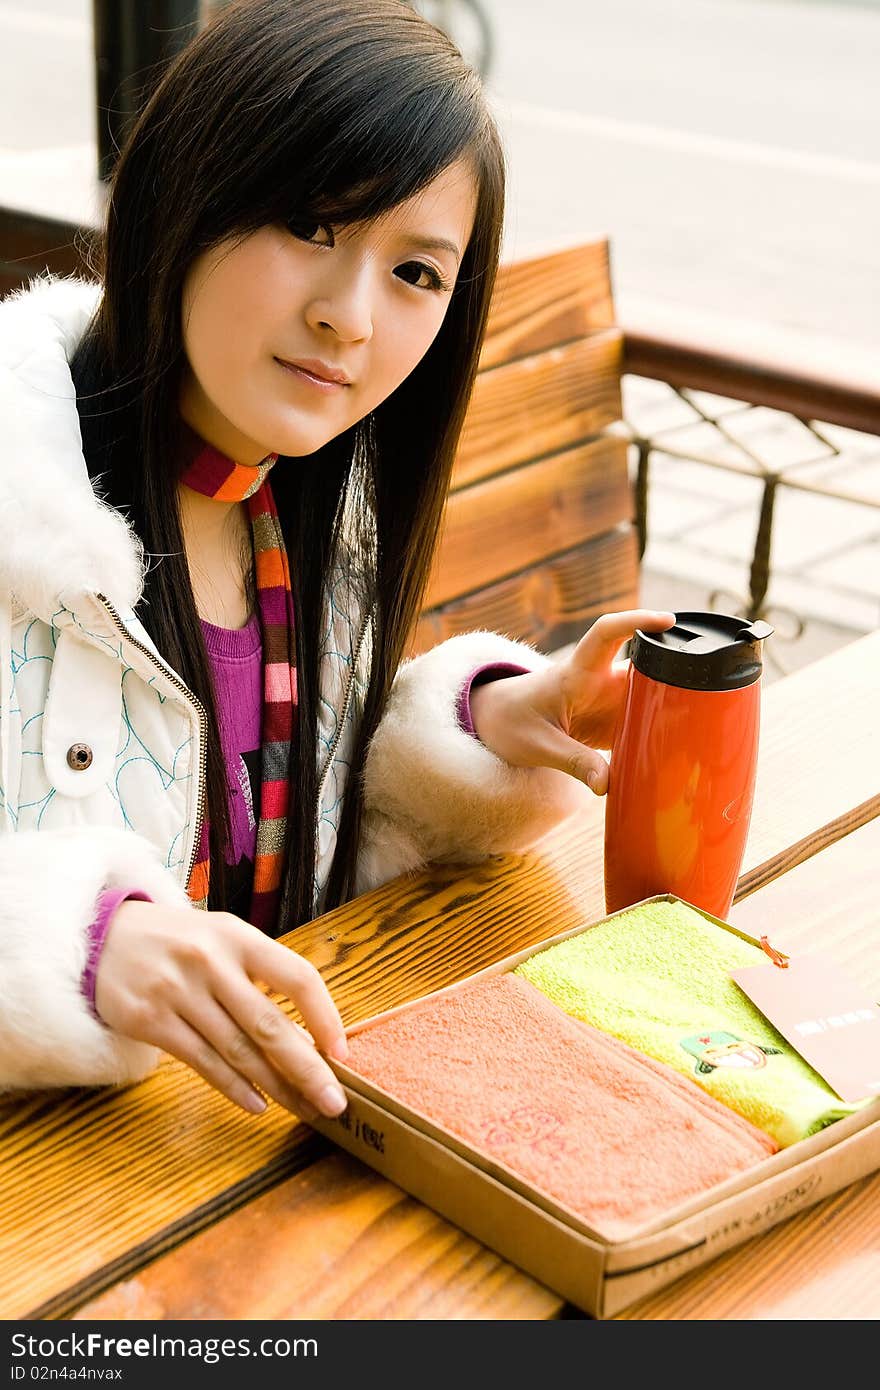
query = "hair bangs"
x=351 y=169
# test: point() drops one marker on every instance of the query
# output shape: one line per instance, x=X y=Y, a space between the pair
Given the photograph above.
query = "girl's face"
x=268 y=319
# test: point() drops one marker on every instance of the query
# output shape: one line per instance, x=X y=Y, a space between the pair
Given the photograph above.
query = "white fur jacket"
x=101 y=744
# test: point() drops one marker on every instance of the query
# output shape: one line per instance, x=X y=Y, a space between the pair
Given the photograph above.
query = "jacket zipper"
x=346 y=702
x=201 y=804
x=203 y=720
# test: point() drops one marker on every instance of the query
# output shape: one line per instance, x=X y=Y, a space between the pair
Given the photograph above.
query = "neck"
x=209 y=517
x=216 y=538
x=217 y=542
x=201 y=417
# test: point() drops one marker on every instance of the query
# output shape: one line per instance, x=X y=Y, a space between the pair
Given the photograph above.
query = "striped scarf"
x=212 y=473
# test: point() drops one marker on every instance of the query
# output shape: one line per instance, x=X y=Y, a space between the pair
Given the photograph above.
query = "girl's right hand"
x=186 y=982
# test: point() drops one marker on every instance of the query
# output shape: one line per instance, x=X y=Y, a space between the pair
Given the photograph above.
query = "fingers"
x=609 y=632
x=577 y=759
x=181 y=1040
x=288 y=973
x=263 y=1031
x=193 y=993
x=219 y=1034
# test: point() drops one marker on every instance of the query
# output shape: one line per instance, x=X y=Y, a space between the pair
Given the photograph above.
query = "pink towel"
x=612 y=1135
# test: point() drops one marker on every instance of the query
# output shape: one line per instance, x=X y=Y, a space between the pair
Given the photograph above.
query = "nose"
x=344 y=305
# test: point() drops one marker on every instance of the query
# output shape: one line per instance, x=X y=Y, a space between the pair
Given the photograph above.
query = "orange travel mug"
x=682 y=772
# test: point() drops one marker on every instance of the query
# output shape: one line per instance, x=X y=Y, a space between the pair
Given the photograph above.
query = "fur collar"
x=59 y=538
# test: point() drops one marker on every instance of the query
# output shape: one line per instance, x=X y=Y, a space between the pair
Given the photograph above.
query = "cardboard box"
x=556 y=1246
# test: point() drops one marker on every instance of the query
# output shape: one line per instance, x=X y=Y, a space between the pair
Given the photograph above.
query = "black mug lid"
x=703 y=651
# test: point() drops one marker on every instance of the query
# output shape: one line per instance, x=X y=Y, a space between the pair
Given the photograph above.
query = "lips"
x=317 y=370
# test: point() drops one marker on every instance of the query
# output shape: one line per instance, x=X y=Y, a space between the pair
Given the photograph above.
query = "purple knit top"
x=236 y=658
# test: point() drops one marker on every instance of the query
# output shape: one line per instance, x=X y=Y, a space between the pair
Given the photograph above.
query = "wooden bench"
x=539 y=537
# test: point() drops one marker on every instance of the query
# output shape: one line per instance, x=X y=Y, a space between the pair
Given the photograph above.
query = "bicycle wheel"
x=467 y=24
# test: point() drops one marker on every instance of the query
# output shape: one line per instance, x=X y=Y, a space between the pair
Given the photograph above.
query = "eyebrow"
x=429 y=243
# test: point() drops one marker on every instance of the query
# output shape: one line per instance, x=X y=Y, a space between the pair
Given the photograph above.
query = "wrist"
x=478 y=680
x=109 y=901
x=480 y=711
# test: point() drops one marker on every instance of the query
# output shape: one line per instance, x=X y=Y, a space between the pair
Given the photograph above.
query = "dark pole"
x=134 y=40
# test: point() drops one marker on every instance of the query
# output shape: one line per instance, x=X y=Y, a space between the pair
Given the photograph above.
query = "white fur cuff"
x=434 y=792
x=50 y=882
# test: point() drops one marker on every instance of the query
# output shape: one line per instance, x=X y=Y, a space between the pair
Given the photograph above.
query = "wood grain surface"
x=503 y=525
x=96 y=1184
x=549 y=604
x=384 y=1256
x=337 y=1241
x=826 y=747
x=548 y=299
x=541 y=505
x=540 y=404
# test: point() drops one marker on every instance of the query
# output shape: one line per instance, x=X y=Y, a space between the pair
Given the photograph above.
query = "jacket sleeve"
x=433 y=792
x=50 y=882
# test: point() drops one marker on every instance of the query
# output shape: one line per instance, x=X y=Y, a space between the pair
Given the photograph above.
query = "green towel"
x=658 y=977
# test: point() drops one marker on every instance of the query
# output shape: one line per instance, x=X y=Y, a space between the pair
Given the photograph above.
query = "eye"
x=306 y=228
x=414 y=272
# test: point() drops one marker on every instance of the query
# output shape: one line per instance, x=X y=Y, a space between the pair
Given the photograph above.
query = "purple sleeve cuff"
x=108 y=902
x=481 y=675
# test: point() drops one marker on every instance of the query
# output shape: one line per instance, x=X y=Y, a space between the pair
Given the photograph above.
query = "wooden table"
x=161 y=1201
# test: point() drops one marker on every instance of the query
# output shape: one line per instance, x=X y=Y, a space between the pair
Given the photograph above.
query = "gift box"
x=598 y=1115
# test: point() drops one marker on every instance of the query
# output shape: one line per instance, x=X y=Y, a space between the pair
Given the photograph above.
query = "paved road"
x=729 y=148
x=774 y=73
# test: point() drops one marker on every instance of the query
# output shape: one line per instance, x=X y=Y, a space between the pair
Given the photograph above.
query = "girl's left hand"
x=560 y=716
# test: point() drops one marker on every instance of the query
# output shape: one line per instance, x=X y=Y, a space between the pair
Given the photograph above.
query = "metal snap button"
x=79 y=756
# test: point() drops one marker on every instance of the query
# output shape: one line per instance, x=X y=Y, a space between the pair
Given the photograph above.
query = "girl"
x=221 y=478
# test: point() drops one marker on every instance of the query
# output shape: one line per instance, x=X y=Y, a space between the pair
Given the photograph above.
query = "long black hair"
x=340 y=110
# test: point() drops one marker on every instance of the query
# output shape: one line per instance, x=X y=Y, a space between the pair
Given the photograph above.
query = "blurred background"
x=729 y=150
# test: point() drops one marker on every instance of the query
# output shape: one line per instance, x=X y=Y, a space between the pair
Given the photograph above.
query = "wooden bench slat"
x=508 y=523
x=548 y=299
x=539 y=405
x=550 y=604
